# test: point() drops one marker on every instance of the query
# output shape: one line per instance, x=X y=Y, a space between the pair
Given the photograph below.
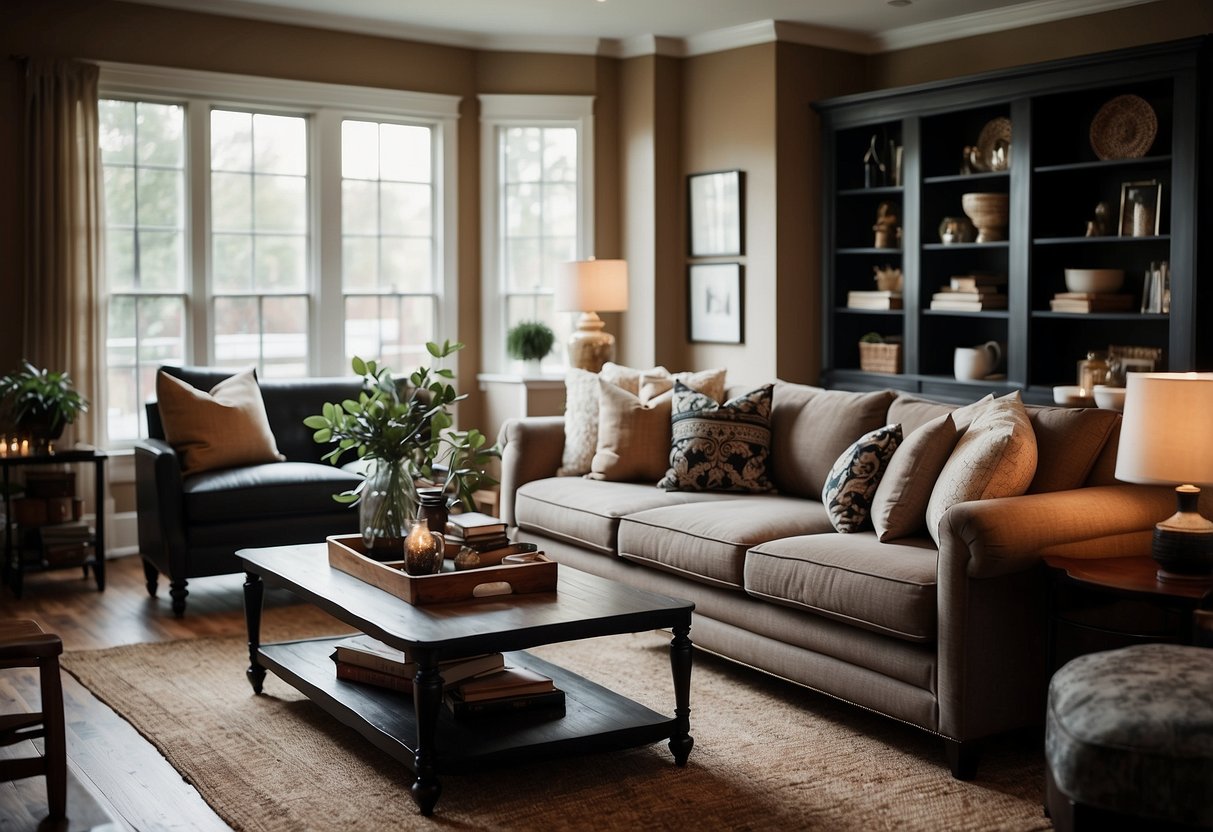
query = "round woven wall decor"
x=1124 y=128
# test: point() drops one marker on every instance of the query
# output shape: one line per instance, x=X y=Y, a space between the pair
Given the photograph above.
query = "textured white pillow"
x=996 y=457
x=581 y=411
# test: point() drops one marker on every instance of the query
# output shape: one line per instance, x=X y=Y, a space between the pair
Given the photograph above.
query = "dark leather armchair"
x=191 y=527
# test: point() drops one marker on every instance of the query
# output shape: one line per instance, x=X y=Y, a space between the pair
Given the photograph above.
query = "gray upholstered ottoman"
x=1129 y=735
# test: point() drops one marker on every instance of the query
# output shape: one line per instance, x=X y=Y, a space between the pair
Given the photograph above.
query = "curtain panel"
x=64 y=292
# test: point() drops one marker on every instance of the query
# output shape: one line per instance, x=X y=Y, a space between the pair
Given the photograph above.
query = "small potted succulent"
x=530 y=342
x=39 y=403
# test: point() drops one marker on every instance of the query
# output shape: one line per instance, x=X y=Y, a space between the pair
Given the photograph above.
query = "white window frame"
x=500 y=111
x=326 y=105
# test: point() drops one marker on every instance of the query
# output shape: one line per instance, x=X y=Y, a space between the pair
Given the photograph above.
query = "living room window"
x=538 y=186
x=280 y=224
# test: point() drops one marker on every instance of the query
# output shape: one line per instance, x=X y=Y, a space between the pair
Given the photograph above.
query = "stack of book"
x=371 y=662
x=1091 y=302
x=65 y=542
x=479 y=532
x=510 y=690
x=874 y=300
x=971 y=293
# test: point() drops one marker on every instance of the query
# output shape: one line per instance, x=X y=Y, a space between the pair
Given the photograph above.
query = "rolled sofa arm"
x=1009 y=534
x=531 y=449
x=159 y=502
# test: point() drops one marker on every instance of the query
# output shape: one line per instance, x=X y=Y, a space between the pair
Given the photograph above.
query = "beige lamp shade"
x=1166 y=437
x=590 y=287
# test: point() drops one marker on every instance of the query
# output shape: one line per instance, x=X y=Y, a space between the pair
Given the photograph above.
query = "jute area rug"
x=767 y=755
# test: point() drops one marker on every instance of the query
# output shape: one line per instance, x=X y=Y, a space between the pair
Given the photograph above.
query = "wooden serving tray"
x=348 y=554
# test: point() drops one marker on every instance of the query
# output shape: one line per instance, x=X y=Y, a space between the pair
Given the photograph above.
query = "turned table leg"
x=254 y=592
x=427 y=700
x=680 y=662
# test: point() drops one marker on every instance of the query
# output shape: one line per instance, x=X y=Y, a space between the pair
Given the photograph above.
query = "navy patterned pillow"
x=853 y=479
x=719 y=447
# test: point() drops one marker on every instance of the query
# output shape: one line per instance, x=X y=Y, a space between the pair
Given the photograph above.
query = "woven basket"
x=879 y=358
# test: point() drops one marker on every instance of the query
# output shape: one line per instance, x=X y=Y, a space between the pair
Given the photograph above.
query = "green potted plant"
x=530 y=341
x=39 y=403
x=402 y=427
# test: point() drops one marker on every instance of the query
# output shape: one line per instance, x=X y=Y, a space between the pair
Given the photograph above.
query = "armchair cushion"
x=265 y=492
x=222 y=428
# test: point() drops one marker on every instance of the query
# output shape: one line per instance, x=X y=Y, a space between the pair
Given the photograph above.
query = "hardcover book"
x=549 y=704
x=512 y=681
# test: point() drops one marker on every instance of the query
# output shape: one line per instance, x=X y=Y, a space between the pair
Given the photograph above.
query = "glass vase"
x=388 y=505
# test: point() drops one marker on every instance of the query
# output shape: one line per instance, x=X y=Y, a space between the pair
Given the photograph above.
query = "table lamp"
x=589 y=287
x=1166 y=438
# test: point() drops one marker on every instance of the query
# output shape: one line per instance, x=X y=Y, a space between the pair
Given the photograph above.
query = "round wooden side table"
x=1105 y=603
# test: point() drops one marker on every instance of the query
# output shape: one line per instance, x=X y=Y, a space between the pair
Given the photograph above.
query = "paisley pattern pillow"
x=719 y=447
x=853 y=479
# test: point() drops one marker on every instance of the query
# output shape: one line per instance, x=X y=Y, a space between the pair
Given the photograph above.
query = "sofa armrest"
x=531 y=449
x=1009 y=534
x=159 y=504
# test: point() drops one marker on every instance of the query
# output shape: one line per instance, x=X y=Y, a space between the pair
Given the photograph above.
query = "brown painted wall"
x=1118 y=29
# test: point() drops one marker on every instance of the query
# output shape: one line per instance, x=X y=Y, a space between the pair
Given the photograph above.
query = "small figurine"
x=1098 y=227
x=873 y=168
x=888 y=226
x=888 y=278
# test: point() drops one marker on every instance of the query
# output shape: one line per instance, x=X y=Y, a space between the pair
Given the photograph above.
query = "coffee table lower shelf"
x=596 y=719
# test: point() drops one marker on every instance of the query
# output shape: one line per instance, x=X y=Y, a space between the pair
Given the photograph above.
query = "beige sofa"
x=951 y=639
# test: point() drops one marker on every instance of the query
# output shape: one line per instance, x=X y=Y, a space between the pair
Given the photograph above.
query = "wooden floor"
x=117 y=780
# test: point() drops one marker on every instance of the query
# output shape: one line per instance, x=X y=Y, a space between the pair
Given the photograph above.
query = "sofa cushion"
x=284 y=489
x=581 y=411
x=222 y=428
x=911 y=412
x=719 y=447
x=855 y=476
x=884 y=587
x=707 y=542
x=899 y=507
x=1068 y=442
x=810 y=427
x=996 y=457
x=586 y=512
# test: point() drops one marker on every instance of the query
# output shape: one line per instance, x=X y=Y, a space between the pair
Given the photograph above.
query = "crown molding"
x=994 y=20
x=643 y=45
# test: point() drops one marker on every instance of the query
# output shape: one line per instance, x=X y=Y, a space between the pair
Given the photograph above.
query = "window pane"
x=122 y=403
x=237 y=334
x=405 y=209
x=231 y=140
x=556 y=252
x=361 y=327
x=120 y=259
x=405 y=153
x=231 y=202
x=160 y=261
x=359 y=150
x=284 y=339
x=232 y=262
x=119 y=196
x=279 y=263
x=280 y=203
x=120 y=340
x=359 y=207
x=160 y=134
x=523 y=264
x=360 y=263
x=162 y=330
x=523 y=210
x=408 y=322
x=280 y=144
x=560 y=154
x=523 y=154
x=160 y=197
x=560 y=210
x=404 y=265
x=117 y=132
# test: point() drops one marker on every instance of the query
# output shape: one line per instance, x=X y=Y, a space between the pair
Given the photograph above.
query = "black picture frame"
x=715 y=303
x=1148 y=194
x=716 y=214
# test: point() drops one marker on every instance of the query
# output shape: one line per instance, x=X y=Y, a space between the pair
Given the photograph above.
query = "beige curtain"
x=64 y=293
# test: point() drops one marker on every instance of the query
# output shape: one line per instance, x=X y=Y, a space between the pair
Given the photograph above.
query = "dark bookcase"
x=1054 y=181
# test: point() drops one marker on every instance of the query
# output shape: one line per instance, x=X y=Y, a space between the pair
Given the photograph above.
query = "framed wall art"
x=716 y=303
x=715 y=207
x=1140 y=208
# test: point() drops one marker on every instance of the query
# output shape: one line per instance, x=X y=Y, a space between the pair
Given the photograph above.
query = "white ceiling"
x=632 y=27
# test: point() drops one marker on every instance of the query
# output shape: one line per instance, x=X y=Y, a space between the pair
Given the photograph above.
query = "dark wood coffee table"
x=420 y=733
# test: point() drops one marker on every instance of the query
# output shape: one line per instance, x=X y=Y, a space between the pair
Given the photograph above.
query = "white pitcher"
x=973 y=363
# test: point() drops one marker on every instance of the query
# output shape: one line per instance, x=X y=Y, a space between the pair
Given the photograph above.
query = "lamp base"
x=589 y=346
x=1183 y=543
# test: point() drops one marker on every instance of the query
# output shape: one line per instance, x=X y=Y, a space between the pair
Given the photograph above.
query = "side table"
x=15 y=565
x=1106 y=603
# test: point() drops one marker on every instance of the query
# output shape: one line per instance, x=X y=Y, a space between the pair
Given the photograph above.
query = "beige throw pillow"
x=634 y=430
x=899 y=508
x=996 y=457
x=581 y=411
x=224 y=428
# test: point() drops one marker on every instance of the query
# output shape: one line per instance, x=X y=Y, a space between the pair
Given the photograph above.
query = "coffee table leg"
x=254 y=591
x=427 y=699
x=680 y=662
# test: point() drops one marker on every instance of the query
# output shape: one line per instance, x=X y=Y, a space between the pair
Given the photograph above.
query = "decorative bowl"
x=989 y=213
x=1110 y=398
x=1071 y=395
x=1094 y=280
